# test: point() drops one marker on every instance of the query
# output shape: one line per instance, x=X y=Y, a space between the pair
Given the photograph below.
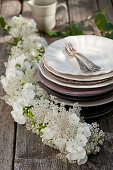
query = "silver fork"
x=93 y=67
x=82 y=66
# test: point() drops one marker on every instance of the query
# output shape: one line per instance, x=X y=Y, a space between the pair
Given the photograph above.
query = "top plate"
x=97 y=49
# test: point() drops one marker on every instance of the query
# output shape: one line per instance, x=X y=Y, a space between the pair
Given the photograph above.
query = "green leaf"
x=54 y=34
x=73 y=29
x=100 y=21
x=18 y=65
x=2 y=22
x=22 y=84
x=109 y=35
x=27 y=112
x=16 y=40
x=109 y=27
x=100 y=11
x=12 y=43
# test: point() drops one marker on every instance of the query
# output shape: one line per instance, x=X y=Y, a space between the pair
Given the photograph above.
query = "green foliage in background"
x=2 y=22
x=70 y=30
x=103 y=25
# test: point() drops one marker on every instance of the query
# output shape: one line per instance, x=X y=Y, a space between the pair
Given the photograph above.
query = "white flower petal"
x=59 y=142
x=74 y=119
x=47 y=133
x=81 y=140
x=71 y=146
x=19 y=118
x=72 y=156
x=81 y=153
x=82 y=161
x=84 y=131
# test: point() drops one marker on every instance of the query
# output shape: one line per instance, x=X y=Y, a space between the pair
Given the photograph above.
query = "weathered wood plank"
x=62 y=20
x=109 y=8
x=0 y=5
x=6 y=121
x=31 y=153
x=106 y=154
x=6 y=135
x=26 y=12
x=10 y=8
x=79 y=10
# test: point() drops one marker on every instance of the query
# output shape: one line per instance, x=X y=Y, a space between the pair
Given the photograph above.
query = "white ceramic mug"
x=44 y=15
x=43 y=2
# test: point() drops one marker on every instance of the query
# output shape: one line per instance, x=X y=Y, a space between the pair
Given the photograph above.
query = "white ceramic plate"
x=84 y=103
x=87 y=103
x=52 y=79
x=77 y=77
x=97 y=49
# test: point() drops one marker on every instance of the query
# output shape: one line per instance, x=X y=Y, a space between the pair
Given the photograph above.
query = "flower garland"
x=58 y=127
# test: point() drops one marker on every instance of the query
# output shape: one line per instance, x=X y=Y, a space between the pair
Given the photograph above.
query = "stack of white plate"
x=61 y=75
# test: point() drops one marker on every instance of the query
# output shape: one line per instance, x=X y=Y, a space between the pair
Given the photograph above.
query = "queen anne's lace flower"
x=58 y=127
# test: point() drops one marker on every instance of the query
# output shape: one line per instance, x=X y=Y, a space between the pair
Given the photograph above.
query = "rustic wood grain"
x=26 y=11
x=0 y=5
x=10 y=8
x=62 y=20
x=109 y=8
x=7 y=125
x=31 y=153
x=79 y=10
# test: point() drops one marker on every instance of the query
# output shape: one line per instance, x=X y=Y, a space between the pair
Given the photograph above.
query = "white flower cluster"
x=60 y=128
x=64 y=130
x=73 y=143
x=20 y=27
x=20 y=72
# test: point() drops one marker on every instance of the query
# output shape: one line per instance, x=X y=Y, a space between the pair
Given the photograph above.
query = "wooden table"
x=21 y=149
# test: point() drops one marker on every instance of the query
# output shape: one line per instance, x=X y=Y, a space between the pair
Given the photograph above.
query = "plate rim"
x=43 y=81
x=69 y=85
x=82 y=75
x=83 y=78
